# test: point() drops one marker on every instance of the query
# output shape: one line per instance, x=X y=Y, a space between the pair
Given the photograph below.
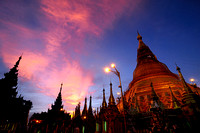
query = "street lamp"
x=116 y=72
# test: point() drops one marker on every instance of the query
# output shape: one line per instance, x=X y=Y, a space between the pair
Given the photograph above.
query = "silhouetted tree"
x=14 y=110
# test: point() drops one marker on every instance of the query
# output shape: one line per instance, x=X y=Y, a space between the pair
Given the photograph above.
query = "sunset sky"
x=72 y=41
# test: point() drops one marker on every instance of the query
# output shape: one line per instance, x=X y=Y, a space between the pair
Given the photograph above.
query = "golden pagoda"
x=150 y=70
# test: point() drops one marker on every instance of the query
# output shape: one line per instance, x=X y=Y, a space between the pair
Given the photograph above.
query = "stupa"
x=150 y=70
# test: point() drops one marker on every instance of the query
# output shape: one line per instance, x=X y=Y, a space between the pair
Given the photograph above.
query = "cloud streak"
x=53 y=40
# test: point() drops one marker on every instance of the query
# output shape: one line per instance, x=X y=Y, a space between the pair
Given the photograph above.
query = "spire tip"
x=139 y=37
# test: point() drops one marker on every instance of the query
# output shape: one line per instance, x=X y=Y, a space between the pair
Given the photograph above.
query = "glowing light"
x=112 y=65
x=192 y=80
x=72 y=115
x=107 y=69
x=118 y=93
x=84 y=117
x=61 y=109
x=93 y=109
x=38 y=121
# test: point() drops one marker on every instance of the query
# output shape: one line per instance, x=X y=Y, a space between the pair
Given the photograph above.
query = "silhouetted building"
x=85 y=111
x=14 y=110
x=157 y=101
x=77 y=122
x=110 y=120
x=101 y=117
x=55 y=120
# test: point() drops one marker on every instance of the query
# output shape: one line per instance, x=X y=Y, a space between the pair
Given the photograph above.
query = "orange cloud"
x=51 y=52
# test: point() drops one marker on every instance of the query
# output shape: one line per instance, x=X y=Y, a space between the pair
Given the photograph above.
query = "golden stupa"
x=150 y=70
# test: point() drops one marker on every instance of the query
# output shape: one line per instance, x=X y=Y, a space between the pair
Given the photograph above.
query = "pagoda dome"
x=151 y=68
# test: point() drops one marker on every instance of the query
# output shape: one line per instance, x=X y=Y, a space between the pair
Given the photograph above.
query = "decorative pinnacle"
x=186 y=87
x=177 y=68
x=111 y=98
x=104 y=104
x=139 y=37
x=90 y=105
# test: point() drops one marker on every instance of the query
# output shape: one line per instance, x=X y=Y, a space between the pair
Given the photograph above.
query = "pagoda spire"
x=144 y=52
x=104 y=104
x=175 y=103
x=111 y=98
x=188 y=94
x=58 y=103
x=90 y=106
x=77 y=110
x=186 y=87
x=84 y=112
x=156 y=103
x=139 y=38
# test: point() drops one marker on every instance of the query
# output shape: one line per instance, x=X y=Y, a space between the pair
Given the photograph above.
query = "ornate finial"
x=185 y=85
x=104 y=104
x=90 y=106
x=177 y=68
x=111 y=98
x=138 y=32
x=139 y=37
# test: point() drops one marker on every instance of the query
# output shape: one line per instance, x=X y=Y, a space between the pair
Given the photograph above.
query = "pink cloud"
x=47 y=54
x=88 y=16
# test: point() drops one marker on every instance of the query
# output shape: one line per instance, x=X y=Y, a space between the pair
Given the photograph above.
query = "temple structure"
x=109 y=119
x=150 y=70
x=54 y=120
x=157 y=101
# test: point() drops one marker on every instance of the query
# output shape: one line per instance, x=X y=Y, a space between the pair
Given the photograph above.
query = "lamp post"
x=116 y=72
